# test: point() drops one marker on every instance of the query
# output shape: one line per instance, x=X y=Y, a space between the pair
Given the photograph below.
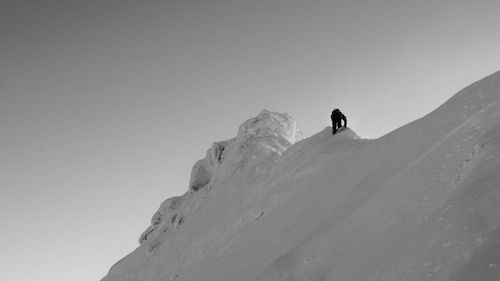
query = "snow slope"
x=420 y=203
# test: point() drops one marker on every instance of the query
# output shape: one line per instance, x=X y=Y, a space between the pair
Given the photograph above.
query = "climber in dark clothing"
x=337 y=117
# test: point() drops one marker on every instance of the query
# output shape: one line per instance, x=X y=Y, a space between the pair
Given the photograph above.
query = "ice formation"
x=270 y=133
x=259 y=140
x=420 y=203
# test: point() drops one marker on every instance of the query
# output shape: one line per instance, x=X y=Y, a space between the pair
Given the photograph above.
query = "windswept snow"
x=420 y=203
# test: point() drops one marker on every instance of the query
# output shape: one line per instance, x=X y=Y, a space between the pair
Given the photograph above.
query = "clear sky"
x=106 y=105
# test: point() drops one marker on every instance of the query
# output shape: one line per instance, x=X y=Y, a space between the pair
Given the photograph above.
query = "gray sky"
x=106 y=105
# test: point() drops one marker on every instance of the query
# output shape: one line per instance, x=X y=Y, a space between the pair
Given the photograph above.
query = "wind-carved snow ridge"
x=258 y=140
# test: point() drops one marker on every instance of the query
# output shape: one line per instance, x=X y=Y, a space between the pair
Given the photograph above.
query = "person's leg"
x=337 y=125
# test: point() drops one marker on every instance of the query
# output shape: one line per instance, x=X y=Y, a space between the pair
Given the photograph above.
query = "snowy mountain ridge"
x=420 y=203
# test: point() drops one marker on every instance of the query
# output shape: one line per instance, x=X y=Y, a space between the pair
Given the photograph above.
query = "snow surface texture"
x=420 y=203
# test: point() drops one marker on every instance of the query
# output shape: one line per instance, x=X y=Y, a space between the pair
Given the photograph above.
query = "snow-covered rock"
x=420 y=203
x=166 y=215
x=267 y=133
x=270 y=124
x=258 y=141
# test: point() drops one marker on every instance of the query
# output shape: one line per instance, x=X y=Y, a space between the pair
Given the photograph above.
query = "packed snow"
x=420 y=203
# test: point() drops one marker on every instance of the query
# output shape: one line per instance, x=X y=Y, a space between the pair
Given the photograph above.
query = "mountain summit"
x=420 y=203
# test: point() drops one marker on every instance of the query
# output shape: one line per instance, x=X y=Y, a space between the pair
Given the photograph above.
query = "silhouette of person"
x=337 y=117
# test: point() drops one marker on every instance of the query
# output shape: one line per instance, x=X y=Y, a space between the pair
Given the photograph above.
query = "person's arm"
x=345 y=120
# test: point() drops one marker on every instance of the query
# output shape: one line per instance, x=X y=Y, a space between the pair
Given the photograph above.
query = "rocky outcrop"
x=267 y=133
x=166 y=214
x=258 y=140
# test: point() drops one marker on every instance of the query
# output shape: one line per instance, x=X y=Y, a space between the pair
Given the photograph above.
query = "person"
x=337 y=118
